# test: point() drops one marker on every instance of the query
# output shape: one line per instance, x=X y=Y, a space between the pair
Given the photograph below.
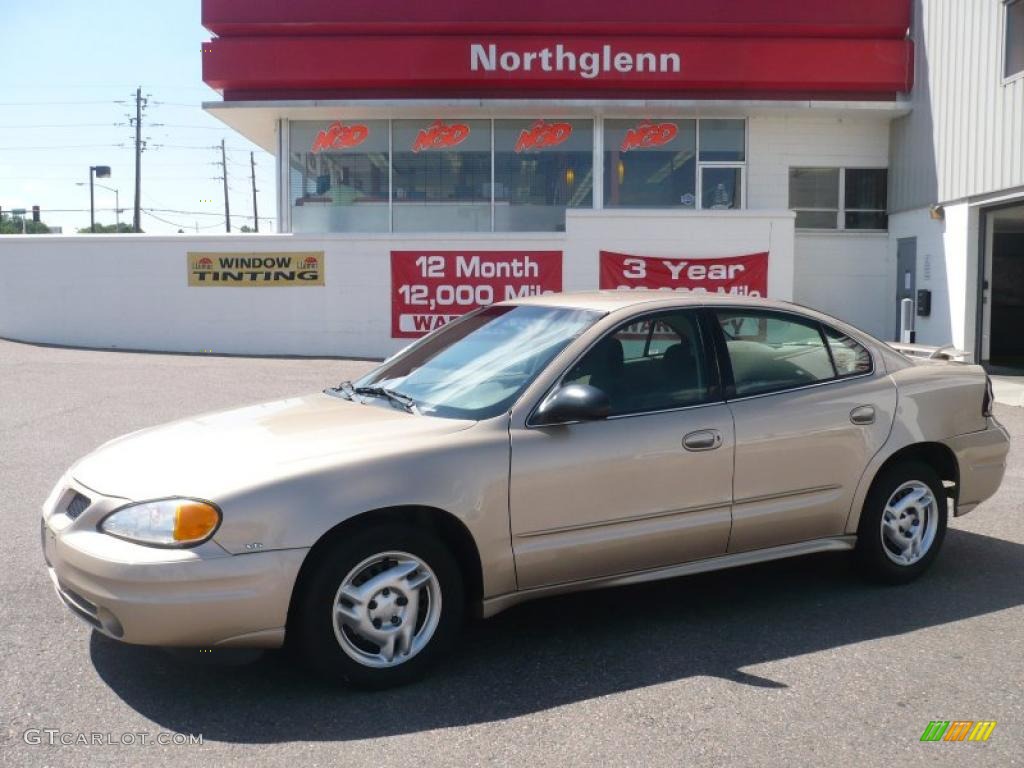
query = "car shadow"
x=567 y=649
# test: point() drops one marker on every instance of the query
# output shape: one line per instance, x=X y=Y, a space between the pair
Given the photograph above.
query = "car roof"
x=613 y=300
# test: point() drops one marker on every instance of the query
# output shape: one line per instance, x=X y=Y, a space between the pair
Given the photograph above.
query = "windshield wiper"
x=403 y=400
x=345 y=390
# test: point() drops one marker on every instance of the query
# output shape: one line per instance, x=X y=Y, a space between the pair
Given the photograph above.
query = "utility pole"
x=140 y=104
x=224 y=168
x=255 y=210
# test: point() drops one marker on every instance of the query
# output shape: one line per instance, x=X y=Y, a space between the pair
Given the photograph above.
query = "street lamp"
x=117 y=201
x=99 y=172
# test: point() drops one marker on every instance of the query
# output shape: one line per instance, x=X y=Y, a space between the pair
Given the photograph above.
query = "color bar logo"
x=958 y=730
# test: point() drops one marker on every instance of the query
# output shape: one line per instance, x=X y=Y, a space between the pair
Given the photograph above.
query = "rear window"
x=772 y=352
x=851 y=358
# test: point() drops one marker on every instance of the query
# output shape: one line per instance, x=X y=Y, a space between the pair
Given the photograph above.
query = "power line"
x=165 y=221
x=201 y=146
x=196 y=127
x=63 y=125
x=52 y=148
x=54 y=103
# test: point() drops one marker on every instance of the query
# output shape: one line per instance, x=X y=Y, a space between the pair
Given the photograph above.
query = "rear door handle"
x=703 y=440
x=864 y=414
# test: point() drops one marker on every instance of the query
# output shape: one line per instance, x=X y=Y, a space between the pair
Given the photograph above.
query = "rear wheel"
x=381 y=606
x=903 y=523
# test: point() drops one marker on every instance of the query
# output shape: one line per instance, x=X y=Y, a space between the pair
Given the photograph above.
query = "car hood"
x=218 y=453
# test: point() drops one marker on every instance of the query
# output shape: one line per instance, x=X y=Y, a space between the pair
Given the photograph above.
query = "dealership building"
x=435 y=156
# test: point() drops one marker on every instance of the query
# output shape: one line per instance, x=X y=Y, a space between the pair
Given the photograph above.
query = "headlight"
x=164 y=523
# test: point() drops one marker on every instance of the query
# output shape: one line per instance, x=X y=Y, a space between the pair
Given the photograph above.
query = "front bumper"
x=198 y=597
x=981 y=457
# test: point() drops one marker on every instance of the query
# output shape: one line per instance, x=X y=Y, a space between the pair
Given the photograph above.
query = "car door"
x=810 y=408
x=649 y=486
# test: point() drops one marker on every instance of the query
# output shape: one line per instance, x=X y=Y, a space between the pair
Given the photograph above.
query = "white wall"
x=850 y=276
x=846 y=274
x=777 y=143
x=947 y=265
x=131 y=291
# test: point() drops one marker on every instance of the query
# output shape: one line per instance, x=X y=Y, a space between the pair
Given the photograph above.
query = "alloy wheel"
x=387 y=609
x=909 y=523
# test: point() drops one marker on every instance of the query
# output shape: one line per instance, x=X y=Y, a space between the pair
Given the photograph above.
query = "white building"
x=843 y=155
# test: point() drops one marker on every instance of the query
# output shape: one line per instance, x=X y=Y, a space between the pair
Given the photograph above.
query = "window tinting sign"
x=255 y=269
x=441 y=135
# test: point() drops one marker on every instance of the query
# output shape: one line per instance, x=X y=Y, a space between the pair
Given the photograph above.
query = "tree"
x=246 y=228
x=107 y=229
x=13 y=226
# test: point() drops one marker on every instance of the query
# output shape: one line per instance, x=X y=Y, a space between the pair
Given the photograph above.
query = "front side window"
x=541 y=167
x=652 y=364
x=478 y=366
x=1014 y=64
x=770 y=352
x=338 y=176
x=839 y=198
x=442 y=175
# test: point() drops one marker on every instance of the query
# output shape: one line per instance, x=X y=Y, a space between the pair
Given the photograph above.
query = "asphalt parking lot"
x=796 y=663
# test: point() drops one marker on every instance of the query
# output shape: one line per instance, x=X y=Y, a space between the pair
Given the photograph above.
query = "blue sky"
x=70 y=73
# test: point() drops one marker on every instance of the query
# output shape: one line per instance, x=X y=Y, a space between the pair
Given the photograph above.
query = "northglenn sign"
x=435 y=65
x=587 y=64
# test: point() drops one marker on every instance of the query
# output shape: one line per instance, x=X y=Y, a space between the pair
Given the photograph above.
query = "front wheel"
x=903 y=523
x=381 y=606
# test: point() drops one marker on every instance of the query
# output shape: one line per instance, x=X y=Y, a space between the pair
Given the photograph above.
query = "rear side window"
x=851 y=358
x=653 y=364
x=771 y=352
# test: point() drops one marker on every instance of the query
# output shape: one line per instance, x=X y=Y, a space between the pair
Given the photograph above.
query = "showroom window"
x=839 y=198
x=541 y=167
x=1014 y=39
x=674 y=163
x=338 y=176
x=442 y=175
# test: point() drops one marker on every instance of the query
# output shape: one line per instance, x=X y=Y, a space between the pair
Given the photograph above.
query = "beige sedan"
x=553 y=444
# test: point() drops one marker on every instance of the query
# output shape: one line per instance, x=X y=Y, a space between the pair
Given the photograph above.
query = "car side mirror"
x=576 y=402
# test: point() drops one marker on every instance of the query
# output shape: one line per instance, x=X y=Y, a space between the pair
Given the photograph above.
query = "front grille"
x=77 y=505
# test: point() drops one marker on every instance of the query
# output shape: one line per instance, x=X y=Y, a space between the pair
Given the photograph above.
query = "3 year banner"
x=432 y=288
x=736 y=275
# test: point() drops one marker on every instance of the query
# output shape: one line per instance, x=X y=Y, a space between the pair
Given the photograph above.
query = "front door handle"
x=703 y=440
x=863 y=415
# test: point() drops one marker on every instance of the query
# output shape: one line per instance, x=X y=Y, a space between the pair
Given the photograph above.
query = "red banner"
x=737 y=275
x=432 y=288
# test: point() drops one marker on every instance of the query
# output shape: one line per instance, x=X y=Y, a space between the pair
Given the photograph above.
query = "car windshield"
x=476 y=367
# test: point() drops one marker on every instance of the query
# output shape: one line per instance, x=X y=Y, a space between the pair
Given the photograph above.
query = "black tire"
x=874 y=563
x=313 y=615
